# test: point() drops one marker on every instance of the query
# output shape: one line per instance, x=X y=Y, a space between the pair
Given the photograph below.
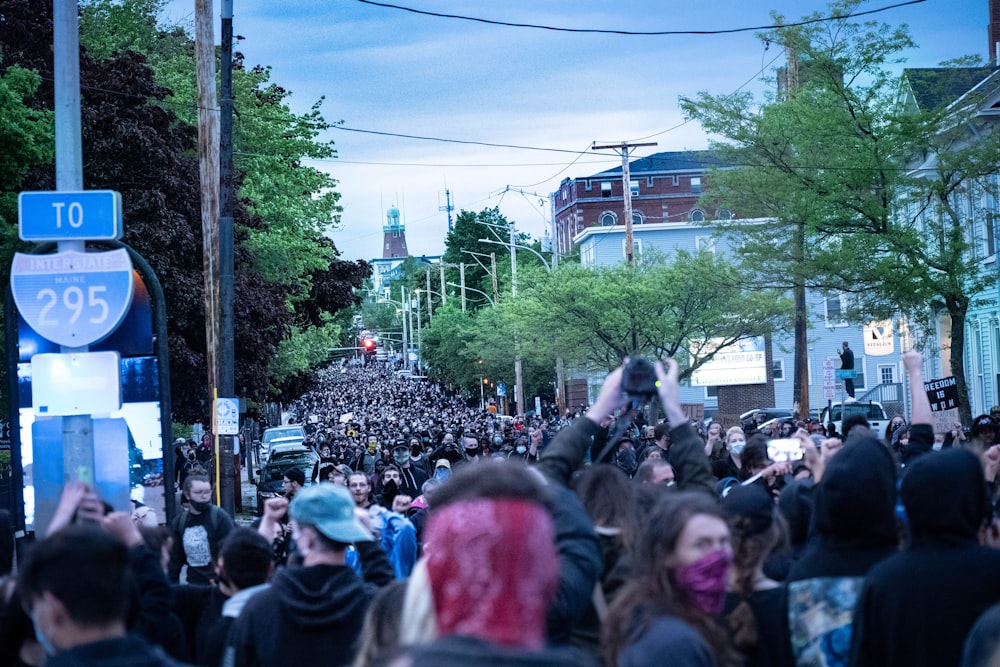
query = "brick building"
x=665 y=188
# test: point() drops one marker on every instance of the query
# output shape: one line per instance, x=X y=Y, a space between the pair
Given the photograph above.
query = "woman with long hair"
x=669 y=607
x=755 y=603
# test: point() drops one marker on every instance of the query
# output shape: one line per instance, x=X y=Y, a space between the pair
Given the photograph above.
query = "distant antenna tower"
x=447 y=206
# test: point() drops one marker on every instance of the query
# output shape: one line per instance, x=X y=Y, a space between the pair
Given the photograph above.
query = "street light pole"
x=420 y=360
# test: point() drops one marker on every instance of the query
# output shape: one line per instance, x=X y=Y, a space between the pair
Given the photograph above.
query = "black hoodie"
x=853 y=528
x=309 y=616
x=917 y=607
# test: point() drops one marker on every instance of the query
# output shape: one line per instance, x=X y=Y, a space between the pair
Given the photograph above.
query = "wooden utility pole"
x=625 y=149
x=229 y=487
x=461 y=279
x=208 y=157
x=801 y=372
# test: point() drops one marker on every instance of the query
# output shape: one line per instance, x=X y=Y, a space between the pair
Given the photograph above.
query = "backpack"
x=180 y=521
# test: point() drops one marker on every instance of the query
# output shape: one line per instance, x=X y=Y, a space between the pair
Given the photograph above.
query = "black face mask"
x=200 y=506
x=475 y=451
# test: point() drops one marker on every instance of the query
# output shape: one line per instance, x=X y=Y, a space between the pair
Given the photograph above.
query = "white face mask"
x=736 y=447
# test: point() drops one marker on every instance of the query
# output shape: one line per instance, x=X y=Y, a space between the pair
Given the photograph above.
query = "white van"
x=873 y=412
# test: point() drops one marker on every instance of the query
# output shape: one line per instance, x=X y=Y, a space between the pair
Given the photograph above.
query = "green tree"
x=463 y=239
x=652 y=308
x=867 y=194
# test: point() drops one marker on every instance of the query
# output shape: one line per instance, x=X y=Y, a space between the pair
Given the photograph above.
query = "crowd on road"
x=435 y=532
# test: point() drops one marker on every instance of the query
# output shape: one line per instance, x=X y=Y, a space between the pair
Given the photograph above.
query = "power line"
x=459 y=141
x=654 y=33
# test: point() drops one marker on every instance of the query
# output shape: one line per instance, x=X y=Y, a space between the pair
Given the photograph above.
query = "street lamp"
x=430 y=310
x=473 y=289
x=401 y=310
x=537 y=254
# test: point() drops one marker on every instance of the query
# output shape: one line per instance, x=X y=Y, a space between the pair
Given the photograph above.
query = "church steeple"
x=394 y=240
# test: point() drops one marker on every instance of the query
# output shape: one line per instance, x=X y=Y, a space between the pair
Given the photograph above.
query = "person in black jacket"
x=75 y=585
x=943 y=581
x=313 y=614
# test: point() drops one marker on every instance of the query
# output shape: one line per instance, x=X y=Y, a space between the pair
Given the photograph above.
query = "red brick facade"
x=665 y=188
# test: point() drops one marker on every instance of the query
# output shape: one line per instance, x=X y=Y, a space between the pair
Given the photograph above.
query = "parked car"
x=271 y=475
x=280 y=434
x=873 y=412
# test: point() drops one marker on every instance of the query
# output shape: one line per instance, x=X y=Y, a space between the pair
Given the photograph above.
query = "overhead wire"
x=640 y=33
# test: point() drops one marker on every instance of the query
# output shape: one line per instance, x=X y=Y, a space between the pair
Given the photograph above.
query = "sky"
x=388 y=70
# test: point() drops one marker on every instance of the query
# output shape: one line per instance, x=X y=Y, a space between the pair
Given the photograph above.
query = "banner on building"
x=743 y=362
x=879 y=339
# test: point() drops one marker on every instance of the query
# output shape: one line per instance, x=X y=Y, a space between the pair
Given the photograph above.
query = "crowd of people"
x=432 y=532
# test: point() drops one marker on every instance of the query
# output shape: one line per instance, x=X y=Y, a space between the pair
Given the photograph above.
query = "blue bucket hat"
x=330 y=508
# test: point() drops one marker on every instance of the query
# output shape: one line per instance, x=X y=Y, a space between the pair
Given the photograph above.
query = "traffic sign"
x=848 y=374
x=90 y=215
x=74 y=299
x=227 y=416
x=829 y=380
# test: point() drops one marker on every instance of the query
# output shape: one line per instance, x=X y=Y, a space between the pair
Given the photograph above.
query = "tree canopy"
x=137 y=113
x=886 y=193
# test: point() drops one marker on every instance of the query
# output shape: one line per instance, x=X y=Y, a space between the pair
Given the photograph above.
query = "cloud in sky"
x=389 y=70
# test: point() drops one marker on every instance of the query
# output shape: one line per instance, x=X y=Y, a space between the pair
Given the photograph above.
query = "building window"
x=605 y=189
x=705 y=243
x=588 y=185
x=725 y=214
x=989 y=222
x=887 y=373
x=633 y=186
x=638 y=218
x=636 y=247
x=676 y=180
x=697 y=215
x=778 y=370
x=607 y=219
x=859 y=370
x=587 y=255
x=649 y=182
x=711 y=392
x=696 y=184
x=836 y=306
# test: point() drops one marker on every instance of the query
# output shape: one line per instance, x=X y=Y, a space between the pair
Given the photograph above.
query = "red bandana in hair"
x=493 y=570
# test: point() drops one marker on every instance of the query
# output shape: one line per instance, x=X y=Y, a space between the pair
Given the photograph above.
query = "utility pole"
x=209 y=168
x=493 y=270
x=402 y=316
x=444 y=294
x=518 y=374
x=461 y=274
x=229 y=484
x=801 y=374
x=430 y=305
x=625 y=149
x=77 y=430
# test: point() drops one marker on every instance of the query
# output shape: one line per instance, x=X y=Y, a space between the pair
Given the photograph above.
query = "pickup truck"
x=873 y=411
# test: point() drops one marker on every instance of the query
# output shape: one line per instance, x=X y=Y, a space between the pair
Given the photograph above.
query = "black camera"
x=639 y=380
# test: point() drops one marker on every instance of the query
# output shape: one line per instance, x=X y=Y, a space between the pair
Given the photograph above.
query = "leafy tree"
x=26 y=140
x=464 y=238
x=878 y=191
x=650 y=308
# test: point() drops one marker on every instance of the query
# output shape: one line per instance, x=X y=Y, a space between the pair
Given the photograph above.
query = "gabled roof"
x=669 y=161
x=937 y=87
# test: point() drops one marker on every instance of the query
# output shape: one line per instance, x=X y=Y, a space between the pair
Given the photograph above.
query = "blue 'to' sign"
x=69 y=215
x=73 y=298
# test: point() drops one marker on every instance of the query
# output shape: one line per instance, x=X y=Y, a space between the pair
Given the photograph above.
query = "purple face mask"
x=704 y=581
